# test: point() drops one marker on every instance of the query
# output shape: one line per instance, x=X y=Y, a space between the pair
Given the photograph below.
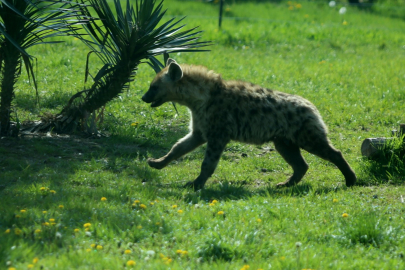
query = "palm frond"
x=135 y=33
x=25 y=23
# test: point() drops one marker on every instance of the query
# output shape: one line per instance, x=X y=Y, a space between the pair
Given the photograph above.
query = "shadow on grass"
x=235 y=191
x=36 y=158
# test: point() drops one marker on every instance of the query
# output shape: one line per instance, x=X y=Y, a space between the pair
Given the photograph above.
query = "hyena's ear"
x=169 y=61
x=175 y=72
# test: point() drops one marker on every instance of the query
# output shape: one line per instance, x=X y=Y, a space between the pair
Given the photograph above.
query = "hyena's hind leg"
x=182 y=147
x=292 y=154
x=322 y=148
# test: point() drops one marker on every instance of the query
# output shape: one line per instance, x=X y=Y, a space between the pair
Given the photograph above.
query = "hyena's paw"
x=351 y=181
x=194 y=185
x=156 y=163
x=287 y=183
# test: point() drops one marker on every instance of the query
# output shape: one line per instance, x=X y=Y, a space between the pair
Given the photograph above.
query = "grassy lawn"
x=69 y=202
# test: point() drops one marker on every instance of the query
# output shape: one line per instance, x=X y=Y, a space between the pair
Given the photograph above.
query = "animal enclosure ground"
x=68 y=202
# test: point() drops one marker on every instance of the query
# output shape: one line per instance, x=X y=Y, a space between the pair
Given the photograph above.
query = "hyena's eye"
x=153 y=88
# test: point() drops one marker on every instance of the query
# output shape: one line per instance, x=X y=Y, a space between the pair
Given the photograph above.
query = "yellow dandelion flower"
x=23 y=211
x=345 y=215
x=134 y=124
x=298 y=5
x=61 y=206
x=180 y=211
x=52 y=191
x=12 y=268
x=51 y=220
x=131 y=263
x=142 y=206
x=289 y=3
x=42 y=189
x=127 y=251
x=184 y=253
x=37 y=231
x=139 y=227
x=152 y=203
x=30 y=266
x=7 y=231
x=87 y=225
x=221 y=212
x=93 y=245
x=45 y=223
x=179 y=251
x=245 y=267
x=335 y=200
x=168 y=261
x=35 y=260
x=174 y=206
x=211 y=204
x=76 y=230
x=157 y=223
x=214 y=201
x=290 y=7
x=99 y=247
x=44 y=212
x=282 y=258
x=259 y=220
x=88 y=249
x=137 y=201
x=322 y=62
x=344 y=23
x=17 y=216
x=17 y=231
x=103 y=199
x=228 y=9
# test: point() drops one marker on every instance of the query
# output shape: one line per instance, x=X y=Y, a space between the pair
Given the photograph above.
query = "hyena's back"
x=253 y=114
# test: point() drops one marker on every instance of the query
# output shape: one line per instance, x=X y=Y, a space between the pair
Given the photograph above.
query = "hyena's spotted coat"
x=233 y=110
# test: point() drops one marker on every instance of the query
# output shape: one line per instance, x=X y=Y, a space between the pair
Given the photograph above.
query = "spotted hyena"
x=222 y=111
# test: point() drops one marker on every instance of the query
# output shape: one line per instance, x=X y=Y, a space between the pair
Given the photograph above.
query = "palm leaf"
x=133 y=34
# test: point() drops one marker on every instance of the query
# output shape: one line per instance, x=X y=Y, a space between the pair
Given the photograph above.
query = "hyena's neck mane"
x=197 y=84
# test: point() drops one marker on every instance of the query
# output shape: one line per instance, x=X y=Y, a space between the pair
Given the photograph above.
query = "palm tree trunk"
x=10 y=69
x=76 y=114
x=115 y=82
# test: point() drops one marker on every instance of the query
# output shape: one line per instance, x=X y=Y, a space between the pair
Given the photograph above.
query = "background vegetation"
x=73 y=203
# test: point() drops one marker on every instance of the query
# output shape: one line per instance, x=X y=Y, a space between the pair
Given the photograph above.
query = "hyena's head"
x=162 y=88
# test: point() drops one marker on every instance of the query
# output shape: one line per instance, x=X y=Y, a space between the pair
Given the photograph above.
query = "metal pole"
x=221 y=5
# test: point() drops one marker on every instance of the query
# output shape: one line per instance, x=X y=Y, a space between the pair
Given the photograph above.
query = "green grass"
x=350 y=66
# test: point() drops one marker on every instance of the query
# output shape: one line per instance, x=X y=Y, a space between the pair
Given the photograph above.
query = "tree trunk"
x=81 y=110
x=10 y=71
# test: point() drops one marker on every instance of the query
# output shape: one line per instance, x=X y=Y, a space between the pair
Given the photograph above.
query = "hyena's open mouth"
x=157 y=103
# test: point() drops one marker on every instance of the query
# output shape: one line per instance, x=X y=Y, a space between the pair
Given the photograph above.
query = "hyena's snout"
x=148 y=97
x=154 y=96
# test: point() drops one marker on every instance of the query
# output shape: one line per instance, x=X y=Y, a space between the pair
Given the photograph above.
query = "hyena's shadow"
x=239 y=191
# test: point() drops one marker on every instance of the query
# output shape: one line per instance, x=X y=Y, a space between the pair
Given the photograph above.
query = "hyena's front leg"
x=211 y=159
x=182 y=147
